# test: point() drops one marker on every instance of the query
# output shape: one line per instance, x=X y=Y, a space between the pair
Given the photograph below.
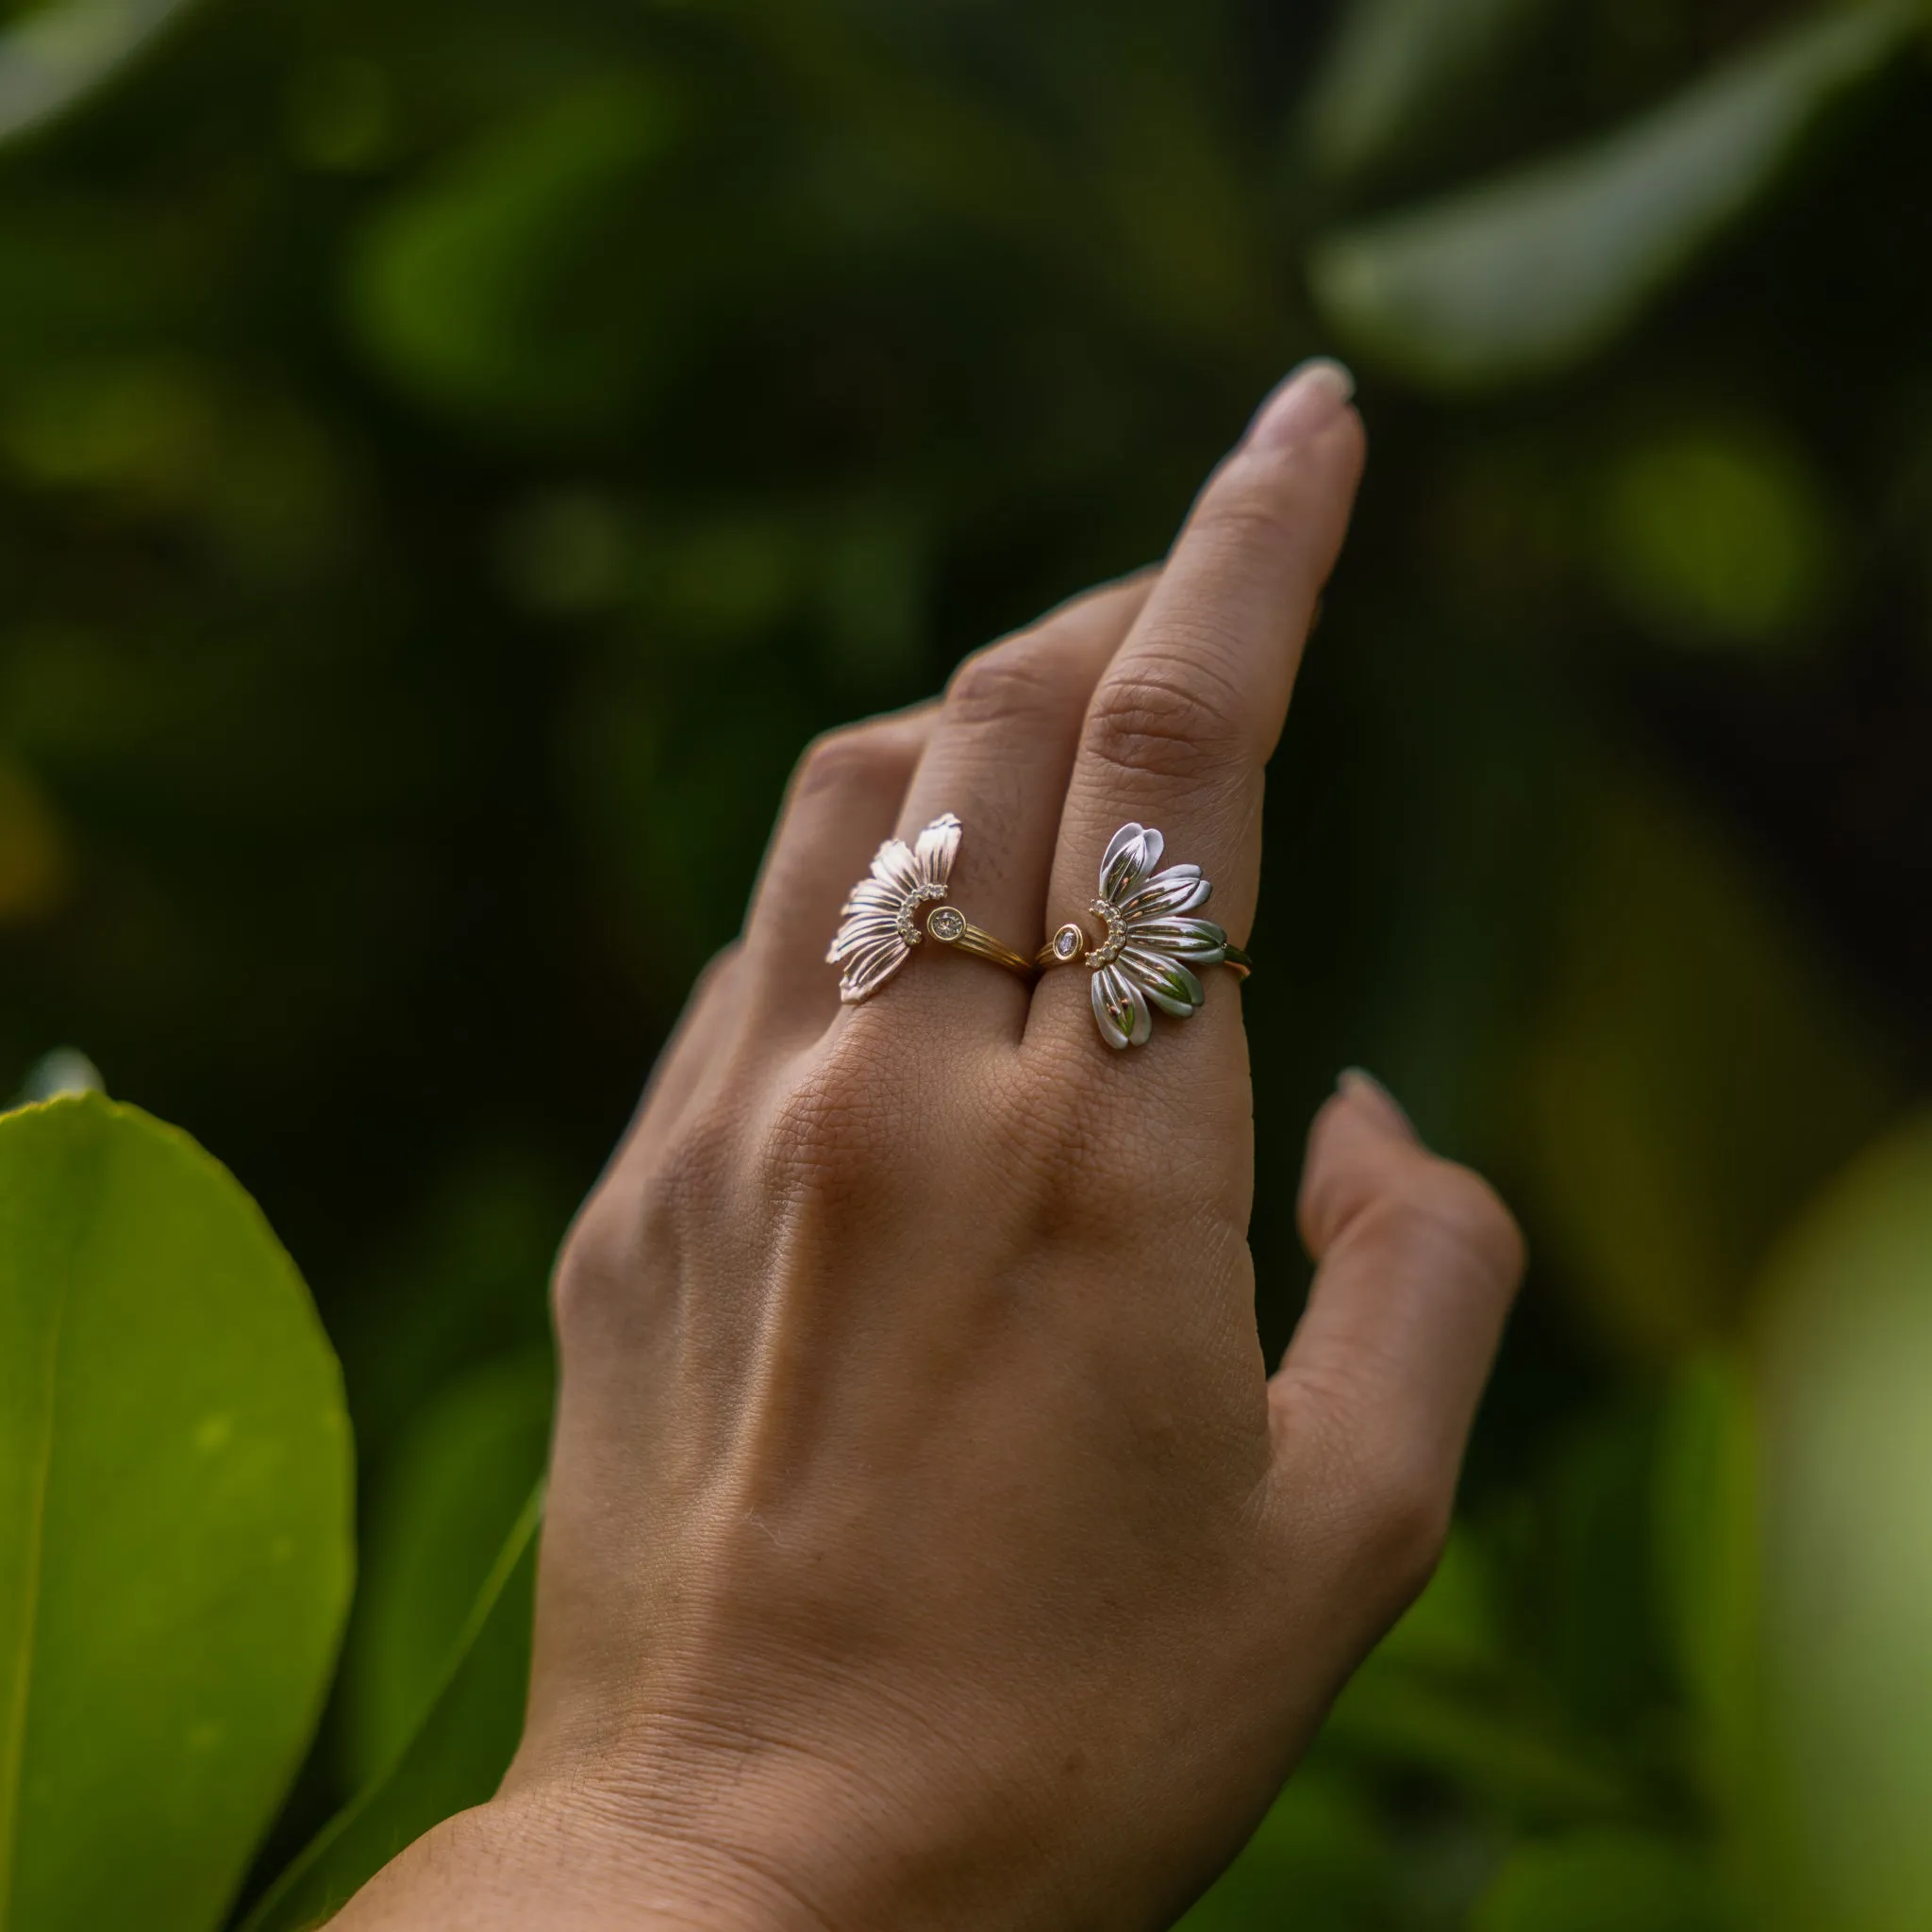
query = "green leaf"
x=1696 y=1067
x=460 y=1482
x=1719 y=534
x=1477 y=1732
x=518 y=285
x=1319 y=1860
x=1532 y=273
x=1706 y=1565
x=1843 y=1374
x=1450 y=1692
x=56 y=56
x=175 y=1522
x=1396 y=66
x=1604 y=1881
x=456 y=1759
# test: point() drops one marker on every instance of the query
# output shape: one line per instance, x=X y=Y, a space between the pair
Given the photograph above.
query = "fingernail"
x=1310 y=396
x=1358 y=1082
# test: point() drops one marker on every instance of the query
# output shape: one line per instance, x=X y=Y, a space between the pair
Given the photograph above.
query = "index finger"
x=1187 y=715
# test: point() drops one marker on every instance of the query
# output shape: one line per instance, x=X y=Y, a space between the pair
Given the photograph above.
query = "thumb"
x=1417 y=1261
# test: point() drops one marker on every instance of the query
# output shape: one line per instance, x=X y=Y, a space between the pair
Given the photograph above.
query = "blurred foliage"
x=452 y=457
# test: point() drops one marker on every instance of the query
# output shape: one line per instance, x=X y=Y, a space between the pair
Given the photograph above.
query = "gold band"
x=950 y=927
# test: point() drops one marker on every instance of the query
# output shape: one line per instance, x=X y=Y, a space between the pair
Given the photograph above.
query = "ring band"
x=880 y=921
x=950 y=927
x=1151 y=945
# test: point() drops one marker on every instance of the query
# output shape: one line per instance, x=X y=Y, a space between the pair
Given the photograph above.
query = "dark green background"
x=453 y=457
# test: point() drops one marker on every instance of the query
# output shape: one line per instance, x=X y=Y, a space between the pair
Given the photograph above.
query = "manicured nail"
x=1308 y=396
x=1360 y=1083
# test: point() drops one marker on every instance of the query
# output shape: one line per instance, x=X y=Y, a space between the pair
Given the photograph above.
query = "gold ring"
x=951 y=927
x=880 y=921
x=1151 y=945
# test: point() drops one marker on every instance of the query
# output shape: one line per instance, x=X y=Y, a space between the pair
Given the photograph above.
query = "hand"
x=927 y=1545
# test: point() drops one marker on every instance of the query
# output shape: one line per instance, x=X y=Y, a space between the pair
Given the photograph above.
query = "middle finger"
x=1188 y=711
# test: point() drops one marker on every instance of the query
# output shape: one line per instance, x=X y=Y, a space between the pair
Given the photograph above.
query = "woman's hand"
x=927 y=1545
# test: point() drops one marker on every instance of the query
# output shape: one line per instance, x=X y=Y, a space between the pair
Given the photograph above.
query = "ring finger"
x=998 y=759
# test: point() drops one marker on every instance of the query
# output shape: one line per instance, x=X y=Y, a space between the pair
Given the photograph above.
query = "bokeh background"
x=452 y=457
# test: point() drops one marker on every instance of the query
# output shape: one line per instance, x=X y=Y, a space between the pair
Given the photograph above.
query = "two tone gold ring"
x=882 y=921
x=1150 y=949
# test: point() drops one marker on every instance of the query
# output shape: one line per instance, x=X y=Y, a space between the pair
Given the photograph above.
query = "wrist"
x=544 y=1858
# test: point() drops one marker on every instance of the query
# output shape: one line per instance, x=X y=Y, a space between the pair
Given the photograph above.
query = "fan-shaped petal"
x=871 y=967
x=895 y=867
x=1131 y=853
x=1120 y=1008
x=1180 y=888
x=1164 y=979
x=869 y=897
x=938 y=843
x=867 y=929
x=1197 y=940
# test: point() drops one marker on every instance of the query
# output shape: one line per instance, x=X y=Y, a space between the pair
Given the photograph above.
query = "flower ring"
x=1151 y=946
x=881 y=922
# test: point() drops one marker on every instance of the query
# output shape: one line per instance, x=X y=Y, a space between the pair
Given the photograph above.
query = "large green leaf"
x=456 y=1759
x=1845 y=1396
x=1531 y=274
x=435 y=1530
x=1605 y=1881
x=56 y=55
x=175 y=1522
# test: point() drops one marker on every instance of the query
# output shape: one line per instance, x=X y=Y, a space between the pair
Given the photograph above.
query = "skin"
x=927 y=1543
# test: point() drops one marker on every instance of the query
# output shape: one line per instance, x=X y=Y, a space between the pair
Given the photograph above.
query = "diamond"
x=946 y=923
x=1068 y=941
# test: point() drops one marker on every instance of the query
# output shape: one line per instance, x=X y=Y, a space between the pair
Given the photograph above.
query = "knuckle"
x=1167 y=720
x=853 y=757
x=1003 y=682
x=1240 y=516
x=695 y=1168
x=833 y=1142
x=1443 y=1207
x=641 y=1218
x=1405 y=1509
x=593 y=1269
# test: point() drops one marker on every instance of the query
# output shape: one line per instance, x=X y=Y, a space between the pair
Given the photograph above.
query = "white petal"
x=869 y=897
x=1165 y=981
x=1199 y=939
x=1120 y=1010
x=868 y=929
x=895 y=867
x=871 y=969
x=938 y=847
x=1180 y=888
x=1131 y=853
